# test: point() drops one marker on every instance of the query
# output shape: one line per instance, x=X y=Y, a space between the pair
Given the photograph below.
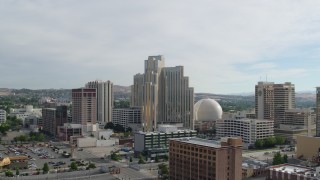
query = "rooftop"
x=292 y=169
x=198 y=141
x=157 y=132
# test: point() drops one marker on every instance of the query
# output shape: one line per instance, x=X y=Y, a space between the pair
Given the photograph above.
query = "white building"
x=127 y=117
x=104 y=100
x=23 y=113
x=249 y=130
x=3 y=116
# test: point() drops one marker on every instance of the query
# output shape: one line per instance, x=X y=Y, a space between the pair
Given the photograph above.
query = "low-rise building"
x=22 y=113
x=127 y=116
x=194 y=158
x=290 y=171
x=308 y=147
x=68 y=130
x=3 y=116
x=253 y=168
x=157 y=143
x=249 y=130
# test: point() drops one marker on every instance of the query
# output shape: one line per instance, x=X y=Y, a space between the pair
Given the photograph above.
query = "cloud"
x=225 y=46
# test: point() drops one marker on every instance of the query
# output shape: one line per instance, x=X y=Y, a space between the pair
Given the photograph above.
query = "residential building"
x=127 y=116
x=3 y=116
x=104 y=105
x=157 y=143
x=318 y=111
x=249 y=130
x=84 y=102
x=291 y=171
x=194 y=158
x=54 y=117
x=164 y=95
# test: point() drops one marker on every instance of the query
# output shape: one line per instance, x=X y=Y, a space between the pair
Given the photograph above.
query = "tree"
x=163 y=169
x=41 y=137
x=9 y=173
x=285 y=158
x=17 y=171
x=129 y=129
x=259 y=143
x=109 y=125
x=45 y=168
x=277 y=159
x=130 y=159
x=270 y=142
x=91 y=166
x=115 y=157
x=157 y=159
x=74 y=166
x=280 y=140
x=118 y=128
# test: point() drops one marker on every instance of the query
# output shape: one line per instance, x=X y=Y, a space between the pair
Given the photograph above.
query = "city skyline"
x=225 y=47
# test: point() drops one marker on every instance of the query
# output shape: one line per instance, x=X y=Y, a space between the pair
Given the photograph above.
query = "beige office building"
x=194 y=158
x=104 y=100
x=164 y=95
x=272 y=100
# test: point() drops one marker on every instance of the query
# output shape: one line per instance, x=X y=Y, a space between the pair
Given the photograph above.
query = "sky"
x=225 y=46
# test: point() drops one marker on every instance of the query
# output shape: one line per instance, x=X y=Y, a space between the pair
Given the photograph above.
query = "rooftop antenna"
x=266 y=78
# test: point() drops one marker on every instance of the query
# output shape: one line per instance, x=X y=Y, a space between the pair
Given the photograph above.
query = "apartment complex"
x=194 y=158
x=84 y=102
x=318 y=112
x=127 y=116
x=104 y=90
x=54 y=117
x=164 y=94
x=272 y=100
x=3 y=116
x=157 y=143
x=249 y=130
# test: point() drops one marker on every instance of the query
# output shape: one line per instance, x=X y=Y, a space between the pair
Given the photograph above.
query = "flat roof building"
x=249 y=130
x=126 y=116
x=84 y=102
x=194 y=158
x=290 y=171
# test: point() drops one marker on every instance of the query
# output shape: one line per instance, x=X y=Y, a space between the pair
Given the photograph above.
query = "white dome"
x=207 y=110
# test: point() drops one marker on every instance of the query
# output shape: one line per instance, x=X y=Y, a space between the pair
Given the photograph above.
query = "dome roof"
x=207 y=110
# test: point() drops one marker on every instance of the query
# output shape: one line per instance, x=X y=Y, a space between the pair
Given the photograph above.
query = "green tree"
x=259 y=143
x=285 y=158
x=17 y=171
x=277 y=159
x=270 y=142
x=109 y=125
x=91 y=166
x=163 y=169
x=41 y=137
x=157 y=159
x=115 y=157
x=45 y=168
x=74 y=166
x=280 y=140
x=141 y=161
x=118 y=128
x=129 y=129
x=130 y=159
x=9 y=173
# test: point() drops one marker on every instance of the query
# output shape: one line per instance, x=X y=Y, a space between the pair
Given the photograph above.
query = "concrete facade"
x=3 y=116
x=54 y=117
x=127 y=116
x=272 y=100
x=308 y=147
x=194 y=158
x=249 y=130
x=105 y=99
x=318 y=112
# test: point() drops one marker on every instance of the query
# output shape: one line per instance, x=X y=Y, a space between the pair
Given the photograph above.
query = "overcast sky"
x=224 y=46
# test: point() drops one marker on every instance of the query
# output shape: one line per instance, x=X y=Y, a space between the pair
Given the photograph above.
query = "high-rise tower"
x=318 y=112
x=104 y=100
x=84 y=103
x=164 y=94
x=272 y=100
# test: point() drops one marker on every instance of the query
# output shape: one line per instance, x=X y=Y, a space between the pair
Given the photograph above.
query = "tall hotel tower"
x=104 y=100
x=318 y=112
x=164 y=94
x=84 y=106
x=272 y=100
